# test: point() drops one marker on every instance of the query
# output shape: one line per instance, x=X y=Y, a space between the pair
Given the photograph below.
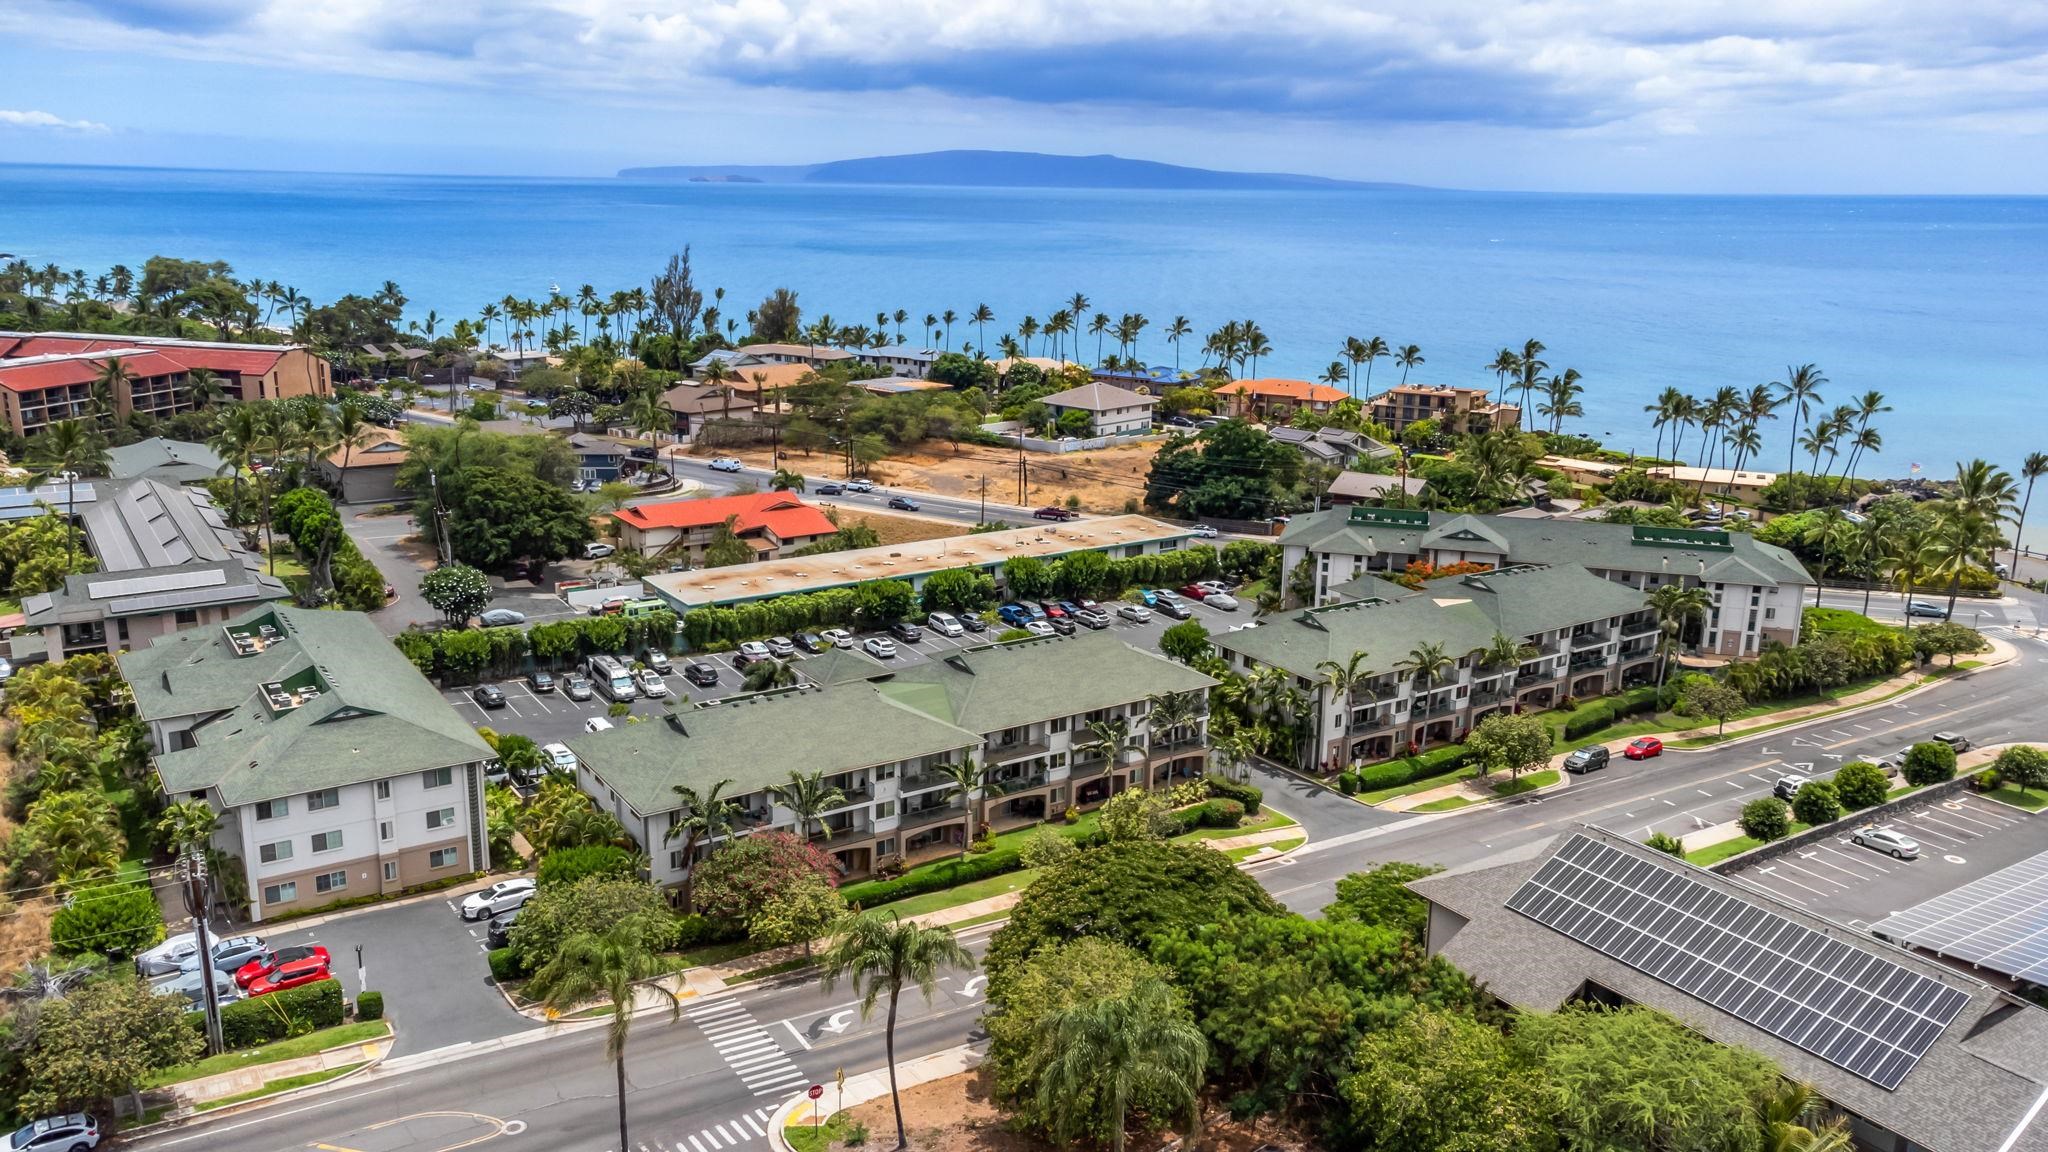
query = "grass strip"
x=271 y=1053
x=767 y=970
x=283 y=1084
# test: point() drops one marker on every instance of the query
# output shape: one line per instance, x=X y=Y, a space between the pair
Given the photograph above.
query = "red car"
x=308 y=971
x=1195 y=592
x=270 y=961
x=1052 y=609
x=1643 y=747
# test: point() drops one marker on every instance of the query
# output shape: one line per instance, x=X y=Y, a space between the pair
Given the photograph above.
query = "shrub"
x=1046 y=847
x=1217 y=814
x=1765 y=818
x=1347 y=783
x=1816 y=803
x=1248 y=795
x=1930 y=763
x=118 y=922
x=370 y=1006
x=1987 y=781
x=1073 y=816
x=939 y=876
x=592 y=904
x=292 y=1012
x=568 y=865
x=1667 y=844
x=2023 y=765
x=1374 y=777
x=1861 y=784
x=1588 y=720
x=505 y=964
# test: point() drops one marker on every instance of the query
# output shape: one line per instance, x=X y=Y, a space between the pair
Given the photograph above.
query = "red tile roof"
x=1284 y=390
x=83 y=355
x=779 y=512
x=82 y=370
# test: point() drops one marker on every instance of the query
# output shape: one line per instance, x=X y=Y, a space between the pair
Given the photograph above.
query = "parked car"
x=292 y=975
x=651 y=684
x=906 y=631
x=945 y=624
x=1923 y=608
x=597 y=550
x=903 y=503
x=1223 y=600
x=68 y=1133
x=1788 y=786
x=270 y=959
x=1055 y=512
x=973 y=623
x=1588 y=759
x=749 y=652
x=829 y=490
x=1060 y=624
x=781 y=647
x=1040 y=627
x=860 y=486
x=1213 y=586
x=726 y=464
x=1643 y=747
x=597 y=724
x=501 y=618
x=659 y=661
x=499 y=932
x=191 y=986
x=1176 y=608
x=1955 y=740
x=1195 y=592
x=1014 y=615
x=576 y=688
x=541 y=680
x=499 y=898
x=810 y=643
x=559 y=757
x=1203 y=532
x=641 y=452
x=837 y=637
x=577 y=485
x=701 y=674
x=228 y=955
x=1135 y=613
x=880 y=647
x=1051 y=610
x=1091 y=618
x=489 y=696
x=610 y=606
x=1886 y=839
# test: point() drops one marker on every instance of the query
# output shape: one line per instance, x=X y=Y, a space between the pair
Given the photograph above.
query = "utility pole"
x=440 y=517
x=983 y=518
x=192 y=871
x=1023 y=473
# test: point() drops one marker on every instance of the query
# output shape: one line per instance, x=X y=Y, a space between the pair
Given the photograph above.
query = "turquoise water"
x=1938 y=302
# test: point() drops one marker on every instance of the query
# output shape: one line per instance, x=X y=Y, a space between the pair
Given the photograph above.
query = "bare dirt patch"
x=1103 y=479
x=896 y=529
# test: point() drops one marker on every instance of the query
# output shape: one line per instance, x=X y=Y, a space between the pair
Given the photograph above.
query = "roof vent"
x=675 y=721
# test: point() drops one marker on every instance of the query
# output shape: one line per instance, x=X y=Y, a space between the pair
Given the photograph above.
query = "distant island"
x=983 y=169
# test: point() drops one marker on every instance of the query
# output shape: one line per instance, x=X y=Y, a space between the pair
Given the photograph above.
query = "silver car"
x=651 y=683
x=1888 y=840
x=168 y=956
x=187 y=985
x=228 y=955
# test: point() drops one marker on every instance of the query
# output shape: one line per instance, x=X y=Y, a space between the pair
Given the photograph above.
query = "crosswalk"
x=747 y=1048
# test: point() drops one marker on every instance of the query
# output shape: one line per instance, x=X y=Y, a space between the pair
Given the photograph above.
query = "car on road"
x=903 y=503
x=1055 y=512
x=1041 y=627
x=270 y=959
x=945 y=624
x=829 y=490
x=880 y=647
x=541 y=680
x=576 y=688
x=860 y=486
x=488 y=696
x=597 y=724
x=1135 y=613
x=559 y=757
x=1923 y=608
x=906 y=631
x=67 y=1133
x=659 y=661
x=1886 y=839
x=1591 y=758
x=781 y=647
x=228 y=955
x=499 y=933
x=1091 y=617
x=809 y=643
x=837 y=637
x=597 y=550
x=641 y=452
x=1643 y=747
x=496 y=900
x=7 y=666
x=1223 y=600
x=1203 y=532
x=1955 y=740
x=650 y=682
x=311 y=970
x=501 y=618
x=1788 y=786
x=726 y=464
x=700 y=673
x=749 y=652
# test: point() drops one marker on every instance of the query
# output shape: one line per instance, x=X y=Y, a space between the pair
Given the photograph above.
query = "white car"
x=651 y=683
x=1203 y=531
x=56 y=1134
x=597 y=724
x=859 y=486
x=837 y=637
x=497 y=900
x=1223 y=600
x=1135 y=613
x=945 y=624
x=726 y=464
x=753 y=650
x=781 y=647
x=1039 y=628
x=1212 y=587
x=168 y=956
x=880 y=647
x=1888 y=840
x=597 y=550
x=559 y=757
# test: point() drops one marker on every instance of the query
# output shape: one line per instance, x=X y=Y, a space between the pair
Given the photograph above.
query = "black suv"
x=701 y=674
x=907 y=632
x=499 y=932
x=489 y=695
x=1588 y=759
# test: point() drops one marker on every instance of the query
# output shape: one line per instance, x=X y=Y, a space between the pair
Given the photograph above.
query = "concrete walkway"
x=873 y=1086
x=190 y=1094
x=1478 y=789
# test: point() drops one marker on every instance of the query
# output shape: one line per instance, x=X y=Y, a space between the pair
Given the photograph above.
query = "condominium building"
x=1111 y=411
x=337 y=769
x=900 y=359
x=46 y=377
x=1275 y=400
x=1457 y=411
x=1025 y=712
x=770 y=523
x=1755 y=589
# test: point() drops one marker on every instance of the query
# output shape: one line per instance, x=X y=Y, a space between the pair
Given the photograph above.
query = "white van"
x=597 y=724
x=611 y=678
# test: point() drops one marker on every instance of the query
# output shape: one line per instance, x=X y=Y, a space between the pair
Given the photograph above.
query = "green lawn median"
x=1715 y=853
x=292 y=1049
x=2031 y=801
x=281 y=1084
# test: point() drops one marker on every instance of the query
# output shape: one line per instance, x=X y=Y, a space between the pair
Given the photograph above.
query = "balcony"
x=1189 y=739
x=1369 y=724
x=918 y=818
x=1587 y=661
x=921 y=781
x=1634 y=629
x=852 y=829
x=1589 y=640
x=1087 y=769
x=1486 y=699
x=1639 y=652
x=1003 y=786
x=1004 y=753
x=1442 y=707
x=1535 y=672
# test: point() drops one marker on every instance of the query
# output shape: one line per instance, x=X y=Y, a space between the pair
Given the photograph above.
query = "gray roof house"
x=1112 y=411
x=165 y=461
x=1333 y=446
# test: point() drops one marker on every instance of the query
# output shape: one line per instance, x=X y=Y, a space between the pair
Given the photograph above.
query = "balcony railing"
x=1002 y=753
x=921 y=816
x=1369 y=724
x=1486 y=699
x=854 y=830
x=1589 y=661
x=1630 y=631
x=1589 y=640
x=1440 y=708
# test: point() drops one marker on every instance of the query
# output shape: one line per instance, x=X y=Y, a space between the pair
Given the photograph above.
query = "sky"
x=1768 y=96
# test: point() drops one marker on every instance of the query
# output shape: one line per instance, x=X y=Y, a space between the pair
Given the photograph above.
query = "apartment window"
x=886 y=772
x=325 y=798
x=437 y=777
x=391 y=871
x=273 y=809
x=326 y=841
x=885 y=809
x=885 y=847
x=330 y=882
x=385 y=830
x=283 y=893
x=675 y=861
x=1770 y=613
x=1059 y=724
x=444 y=857
x=383 y=789
x=440 y=818
x=1058 y=760
x=272 y=853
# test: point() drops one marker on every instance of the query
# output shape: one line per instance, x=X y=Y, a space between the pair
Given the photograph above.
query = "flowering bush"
x=735 y=881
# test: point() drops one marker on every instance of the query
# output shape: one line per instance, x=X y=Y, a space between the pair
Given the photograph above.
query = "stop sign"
x=816 y=1091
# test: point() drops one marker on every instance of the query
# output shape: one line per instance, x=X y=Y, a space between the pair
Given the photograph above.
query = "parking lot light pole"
x=362 y=972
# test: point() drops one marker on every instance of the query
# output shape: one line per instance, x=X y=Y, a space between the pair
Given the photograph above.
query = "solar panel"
x=161 y=582
x=1846 y=1005
x=1999 y=922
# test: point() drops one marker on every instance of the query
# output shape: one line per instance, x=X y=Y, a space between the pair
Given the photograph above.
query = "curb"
x=173 y=1122
x=1851 y=710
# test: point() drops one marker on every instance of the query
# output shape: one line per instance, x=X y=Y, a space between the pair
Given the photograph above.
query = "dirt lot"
x=896 y=529
x=1103 y=479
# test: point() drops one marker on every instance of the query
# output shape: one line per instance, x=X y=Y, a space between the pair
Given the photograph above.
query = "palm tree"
x=186 y=826
x=1963 y=540
x=1676 y=607
x=1787 y=1117
x=1561 y=398
x=204 y=389
x=66 y=450
x=1831 y=529
x=1097 y=325
x=1373 y=350
x=1343 y=680
x=1868 y=549
x=615 y=965
x=765 y=675
x=947 y=317
x=1172 y=713
x=982 y=317
x=972 y=786
x=700 y=817
x=1428 y=663
x=880 y=952
x=1801 y=390
x=1137 y=1045
x=1915 y=552
x=2031 y=469
x=1408 y=357
x=1532 y=366
x=1505 y=651
x=1175 y=329
x=808 y=798
x=1505 y=363
x=1111 y=740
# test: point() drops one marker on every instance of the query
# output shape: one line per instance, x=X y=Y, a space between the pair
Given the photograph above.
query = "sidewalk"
x=189 y=1094
x=873 y=1086
x=1975 y=760
x=1477 y=789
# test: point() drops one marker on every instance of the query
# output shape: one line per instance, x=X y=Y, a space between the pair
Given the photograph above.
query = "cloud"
x=32 y=119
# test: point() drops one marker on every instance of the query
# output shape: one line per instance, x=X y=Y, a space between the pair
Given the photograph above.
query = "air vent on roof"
x=1309 y=618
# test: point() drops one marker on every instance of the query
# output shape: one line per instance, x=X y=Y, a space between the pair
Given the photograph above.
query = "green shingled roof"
x=1002 y=686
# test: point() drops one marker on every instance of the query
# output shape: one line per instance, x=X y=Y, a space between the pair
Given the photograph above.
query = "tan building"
x=1275 y=400
x=1457 y=411
x=368 y=472
x=49 y=376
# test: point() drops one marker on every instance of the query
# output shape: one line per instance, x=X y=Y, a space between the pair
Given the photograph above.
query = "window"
x=437 y=777
x=440 y=818
x=330 y=881
x=1059 y=724
x=325 y=798
x=383 y=789
x=272 y=853
x=186 y=617
x=384 y=830
x=886 y=772
x=283 y=893
x=675 y=860
x=326 y=841
x=391 y=871
x=273 y=809
x=885 y=847
x=121 y=629
x=444 y=857
x=885 y=809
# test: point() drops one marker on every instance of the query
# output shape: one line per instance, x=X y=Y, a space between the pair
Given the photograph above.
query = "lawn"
x=1447 y=804
x=282 y=1084
x=714 y=954
x=286 y=563
x=1414 y=786
x=767 y=970
x=1807 y=700
x=271 y=1053
x=1268 y=820
x=806 y=1137
x=964 y=893
x=1292 y=842
x=1715 y=853
x=2032 y=801
x=1527 y=782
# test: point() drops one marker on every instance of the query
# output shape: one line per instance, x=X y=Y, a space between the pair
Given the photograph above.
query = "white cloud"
x=34 y=119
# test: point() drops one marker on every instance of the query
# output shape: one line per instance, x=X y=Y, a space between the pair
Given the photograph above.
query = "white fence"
x=1012 y=431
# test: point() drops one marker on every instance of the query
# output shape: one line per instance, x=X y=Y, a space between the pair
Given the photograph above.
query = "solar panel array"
x=1847 y=1005
x=1999 y=922
x=161 y=582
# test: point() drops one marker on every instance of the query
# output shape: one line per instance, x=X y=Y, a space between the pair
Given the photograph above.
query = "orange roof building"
x=1274 y=399
x=48 y=376
x=771 y=523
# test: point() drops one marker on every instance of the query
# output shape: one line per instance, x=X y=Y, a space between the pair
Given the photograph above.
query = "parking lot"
x=1961 y=838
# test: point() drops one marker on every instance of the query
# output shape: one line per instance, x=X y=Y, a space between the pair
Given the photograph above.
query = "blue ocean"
x=1939 y=303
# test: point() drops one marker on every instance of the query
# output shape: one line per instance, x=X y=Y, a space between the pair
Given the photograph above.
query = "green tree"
x=1678 y=608
x=1136 y=814
x=808 y=798
x=498 y=516
x=1027 y=578
x=456 y=591
x=1794 y=1119
x=726 y=548
x=69 y=837
x=1930 y=763
x=112 y=921
x=1860 y=784
x=2023 y=765
x=1098 y=1055
x=957 y=590
x=764 y=675
x=104 y=1041
x=738 y=880
x=970 y=784
x=1666 y=843
x=186 y=826
x=702 y=817
x=65 y=451
x=1765 y=819
x=614 y=966
x=1441 y=1081
x=1186 y=642
x=1709 y=697
x=1381 y=898
x=1514 y=743
x=592 y=905
x=800 y=913
x=1816 y=803
x=1949 y=639
x=879 y=954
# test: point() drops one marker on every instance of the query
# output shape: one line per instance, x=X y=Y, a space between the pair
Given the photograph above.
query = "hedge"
x=568 y=865
x=370 y=1006
x=461 y=655
x=1210 y=814
x=504 y=964
x=1602 y=713
x=947 y=875
x=1248 y=795
x=292 y=1012
x=1409 y=769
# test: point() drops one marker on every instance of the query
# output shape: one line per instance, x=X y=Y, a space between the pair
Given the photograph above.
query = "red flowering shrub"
x=736 y=880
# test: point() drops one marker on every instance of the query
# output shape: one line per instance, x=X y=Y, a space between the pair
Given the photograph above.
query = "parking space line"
x=1811 y=873
x=1854 y=857
x=1772 y=872
x=1996 y=817
x=1920 y=817
x=1926 y=815
x=1815 y=859
x=1957 y=814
